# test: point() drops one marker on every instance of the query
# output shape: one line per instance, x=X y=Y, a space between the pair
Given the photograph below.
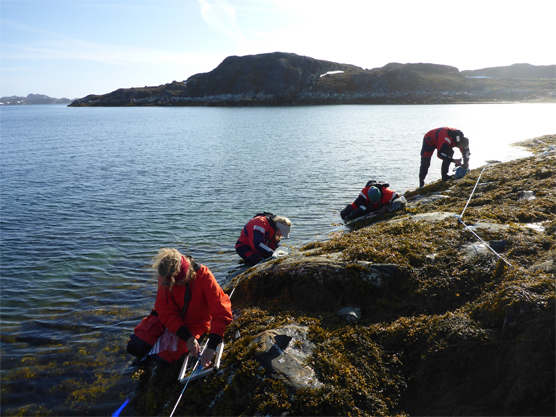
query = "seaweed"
x=446 y=334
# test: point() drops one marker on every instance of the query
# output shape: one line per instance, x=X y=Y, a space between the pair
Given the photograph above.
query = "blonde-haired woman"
x=261 y=236
x=189 y=303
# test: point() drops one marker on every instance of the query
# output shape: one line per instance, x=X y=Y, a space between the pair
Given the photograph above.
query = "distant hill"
x=32 y=99
x=515 y=71
x=280 y=78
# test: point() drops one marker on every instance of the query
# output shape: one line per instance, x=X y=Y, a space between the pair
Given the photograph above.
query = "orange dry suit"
x=257 y=240
x=190 y=309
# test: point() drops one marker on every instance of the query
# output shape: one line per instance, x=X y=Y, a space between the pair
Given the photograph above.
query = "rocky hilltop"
x=288 y=79
x=446 y=307
x=32 y=99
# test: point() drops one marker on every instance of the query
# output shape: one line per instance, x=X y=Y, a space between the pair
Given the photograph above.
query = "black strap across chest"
x=187 y=294
x=186 y=299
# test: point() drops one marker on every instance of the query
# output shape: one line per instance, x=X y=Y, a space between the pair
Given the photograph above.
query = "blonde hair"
x=167 y=265
x=283 y=220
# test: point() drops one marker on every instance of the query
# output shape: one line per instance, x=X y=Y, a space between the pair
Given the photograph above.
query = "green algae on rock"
x=75 y=375
x=441 y=332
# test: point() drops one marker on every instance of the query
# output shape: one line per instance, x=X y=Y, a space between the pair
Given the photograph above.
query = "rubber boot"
x=444 y=170
x=421 y=181
x=423 y=170
x=346 y=212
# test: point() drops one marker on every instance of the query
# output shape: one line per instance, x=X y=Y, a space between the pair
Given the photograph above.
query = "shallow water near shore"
x=88 y=196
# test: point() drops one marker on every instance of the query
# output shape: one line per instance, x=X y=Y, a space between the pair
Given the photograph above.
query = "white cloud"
x=221 y=16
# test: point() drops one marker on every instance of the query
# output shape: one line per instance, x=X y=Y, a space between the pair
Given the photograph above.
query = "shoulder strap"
x=186 y=299
x=187 y=294
x=195 y=265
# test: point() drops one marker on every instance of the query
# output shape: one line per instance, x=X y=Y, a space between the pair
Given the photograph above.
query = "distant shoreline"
x=31 y=100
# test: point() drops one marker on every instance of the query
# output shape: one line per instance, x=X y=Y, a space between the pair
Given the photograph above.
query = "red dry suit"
x=443 y=140
x=363 y=202
x=258 y=239
x=209 y=310
x=363 y=206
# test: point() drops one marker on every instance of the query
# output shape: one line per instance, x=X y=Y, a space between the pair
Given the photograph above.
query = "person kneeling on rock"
x=261 y=236
x=376 y=198
x=189 y=303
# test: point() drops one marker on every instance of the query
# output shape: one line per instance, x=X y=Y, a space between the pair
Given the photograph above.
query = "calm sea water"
x=89 y=195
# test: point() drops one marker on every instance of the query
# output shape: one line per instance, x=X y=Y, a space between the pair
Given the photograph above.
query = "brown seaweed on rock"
x=443 y=330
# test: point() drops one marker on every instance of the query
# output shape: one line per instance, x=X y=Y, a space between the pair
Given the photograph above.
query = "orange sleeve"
x=218 y=303
x=387 y=196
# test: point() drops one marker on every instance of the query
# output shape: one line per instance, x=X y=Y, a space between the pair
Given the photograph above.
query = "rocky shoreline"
x=423 y=312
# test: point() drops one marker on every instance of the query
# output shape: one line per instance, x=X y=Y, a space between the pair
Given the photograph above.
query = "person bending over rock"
x=261 y=236
x=376 y=197
x=443 y=140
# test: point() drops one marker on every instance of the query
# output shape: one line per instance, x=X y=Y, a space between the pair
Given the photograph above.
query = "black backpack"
x=378 y=184
x=265 y=214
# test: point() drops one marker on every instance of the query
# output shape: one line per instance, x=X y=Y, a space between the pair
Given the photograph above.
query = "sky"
x=73 y=48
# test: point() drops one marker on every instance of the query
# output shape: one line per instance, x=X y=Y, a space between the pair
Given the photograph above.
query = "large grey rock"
x=488 y=226
x=316 y=282
x=425 y=199
x=526 y=195
x=472 y=250
x=284 y=352
x=426 y=217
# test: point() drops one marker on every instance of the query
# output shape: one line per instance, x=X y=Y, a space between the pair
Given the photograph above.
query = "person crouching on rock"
x=443 y=140
x=189 y=302
x=374 y=198
x=261 y=236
